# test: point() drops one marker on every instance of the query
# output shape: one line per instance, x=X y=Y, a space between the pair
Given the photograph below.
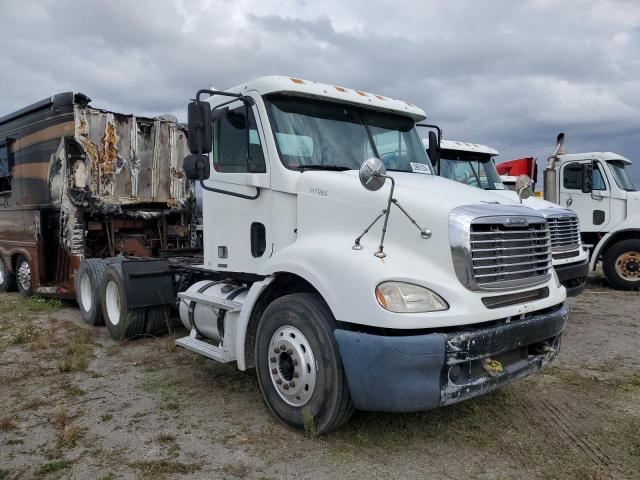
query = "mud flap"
x=148 y=283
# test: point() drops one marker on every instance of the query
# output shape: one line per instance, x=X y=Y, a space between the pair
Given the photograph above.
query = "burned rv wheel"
x=298 y=364
x=7 y=279
x=87 y=285
x=121 y=321
x=23 y=276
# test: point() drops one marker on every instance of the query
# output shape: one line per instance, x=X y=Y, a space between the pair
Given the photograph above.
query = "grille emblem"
x=516 y=221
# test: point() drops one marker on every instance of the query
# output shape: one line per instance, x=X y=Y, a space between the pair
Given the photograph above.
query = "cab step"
x=204 y=348
x=221 y=303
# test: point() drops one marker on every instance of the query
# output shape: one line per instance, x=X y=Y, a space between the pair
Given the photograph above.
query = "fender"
x=609 y=236
x=243 y=319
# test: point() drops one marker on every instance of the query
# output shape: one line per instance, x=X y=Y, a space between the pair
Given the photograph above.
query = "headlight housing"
x=402 y=297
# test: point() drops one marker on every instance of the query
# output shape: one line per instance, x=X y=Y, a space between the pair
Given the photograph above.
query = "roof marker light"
x=296 y=80
x=380 y=97
x=341 y=89
x=362 y=94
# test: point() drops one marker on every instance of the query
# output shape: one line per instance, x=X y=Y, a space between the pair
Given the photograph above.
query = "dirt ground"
x=76 y=404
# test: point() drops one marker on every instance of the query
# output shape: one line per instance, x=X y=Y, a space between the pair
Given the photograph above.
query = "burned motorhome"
x=78 y=182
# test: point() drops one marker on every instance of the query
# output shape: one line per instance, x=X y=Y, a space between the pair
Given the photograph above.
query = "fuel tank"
x=207 y=320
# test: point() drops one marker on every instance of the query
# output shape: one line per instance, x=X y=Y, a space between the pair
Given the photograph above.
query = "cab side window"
x=230 y=143
x=5 y=166
x=572 y=177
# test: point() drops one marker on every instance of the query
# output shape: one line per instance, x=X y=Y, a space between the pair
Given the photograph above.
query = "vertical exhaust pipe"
x=551 y=174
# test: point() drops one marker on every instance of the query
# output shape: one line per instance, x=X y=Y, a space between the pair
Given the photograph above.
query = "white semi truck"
x=597 y=187
x=473 y=164
x=341 y=296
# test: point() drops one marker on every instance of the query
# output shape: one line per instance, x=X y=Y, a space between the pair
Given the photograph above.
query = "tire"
x=157 y=321
x=87 y=284
x=302 y=324
x=7 y=279
x=24 y=278
x=621 y=265
x=121 y=321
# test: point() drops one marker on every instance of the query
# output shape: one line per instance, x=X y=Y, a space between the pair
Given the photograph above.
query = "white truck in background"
x=473 y=164
x=597 y=187
x=341 y=296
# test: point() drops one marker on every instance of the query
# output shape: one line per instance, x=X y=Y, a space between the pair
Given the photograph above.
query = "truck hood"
x=531 y=202
x=633 y=204
x=334 y=203
x=427 y=195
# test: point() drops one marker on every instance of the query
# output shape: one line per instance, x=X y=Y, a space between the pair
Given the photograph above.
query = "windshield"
x=621 y=175
x=319 y=134
x=475 y=169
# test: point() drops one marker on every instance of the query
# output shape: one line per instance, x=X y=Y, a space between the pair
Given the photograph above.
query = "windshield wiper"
x=336 y=168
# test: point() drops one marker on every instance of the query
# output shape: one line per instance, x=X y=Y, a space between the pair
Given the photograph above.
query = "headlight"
x=401 y=297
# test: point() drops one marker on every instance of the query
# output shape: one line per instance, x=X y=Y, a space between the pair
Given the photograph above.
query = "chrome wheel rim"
x=292 y=366
x=24 y=275
x=112 y=300
x=86 y=300
x=628 y=266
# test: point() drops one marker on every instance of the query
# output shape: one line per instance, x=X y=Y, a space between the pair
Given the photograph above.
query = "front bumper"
x=420 y=372
x=573 y=276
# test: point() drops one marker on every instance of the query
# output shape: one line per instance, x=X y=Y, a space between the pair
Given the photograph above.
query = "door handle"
x=569 y=201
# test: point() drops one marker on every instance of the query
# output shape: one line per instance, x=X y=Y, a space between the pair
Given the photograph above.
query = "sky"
x=510 y=74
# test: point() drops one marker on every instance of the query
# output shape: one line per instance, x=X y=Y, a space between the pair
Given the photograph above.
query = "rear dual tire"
x=122 y=320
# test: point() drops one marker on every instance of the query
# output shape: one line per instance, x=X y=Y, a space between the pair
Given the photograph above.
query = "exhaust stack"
x=550 y=173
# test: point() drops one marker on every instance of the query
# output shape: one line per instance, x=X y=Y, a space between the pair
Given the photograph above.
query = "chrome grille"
x=565 y=232
x=507 y=255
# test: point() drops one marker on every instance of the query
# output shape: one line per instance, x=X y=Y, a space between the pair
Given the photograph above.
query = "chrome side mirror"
x=524 y=187
x=372 y=174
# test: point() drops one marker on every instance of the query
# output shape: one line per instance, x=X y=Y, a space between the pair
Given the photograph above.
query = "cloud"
x=509 y=74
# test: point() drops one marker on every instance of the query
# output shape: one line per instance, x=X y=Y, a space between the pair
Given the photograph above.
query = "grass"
x=77 y=353
x=4 y=473
x=7 y=423
x=238 y=470
x=54 y=466
x=163 y=467
x=70 y=389
x=310 y=428
x=630 y=383
x=105 y=417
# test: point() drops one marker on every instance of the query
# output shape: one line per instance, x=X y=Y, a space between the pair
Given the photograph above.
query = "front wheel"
x=621 y=264
x=298 y=364
x=23 y=276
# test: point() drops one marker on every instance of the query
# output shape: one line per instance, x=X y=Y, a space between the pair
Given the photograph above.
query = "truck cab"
x=327 y=271
x=473 y=164
x=597 y=187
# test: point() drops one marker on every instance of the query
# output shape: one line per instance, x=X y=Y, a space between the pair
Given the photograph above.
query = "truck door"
x=237 y=231
x=593 y=209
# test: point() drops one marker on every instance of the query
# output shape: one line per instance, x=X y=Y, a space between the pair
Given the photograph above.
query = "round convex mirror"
x=372 y=173
x=524 y=187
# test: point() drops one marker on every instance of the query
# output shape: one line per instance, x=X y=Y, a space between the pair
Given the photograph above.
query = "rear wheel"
x=621 y=264
x=87 y=283
x=298 y=364
x=7 y=279
x=121 y=321
x=23 y=276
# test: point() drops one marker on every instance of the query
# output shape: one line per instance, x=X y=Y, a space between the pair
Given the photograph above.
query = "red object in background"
x=519 y=166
